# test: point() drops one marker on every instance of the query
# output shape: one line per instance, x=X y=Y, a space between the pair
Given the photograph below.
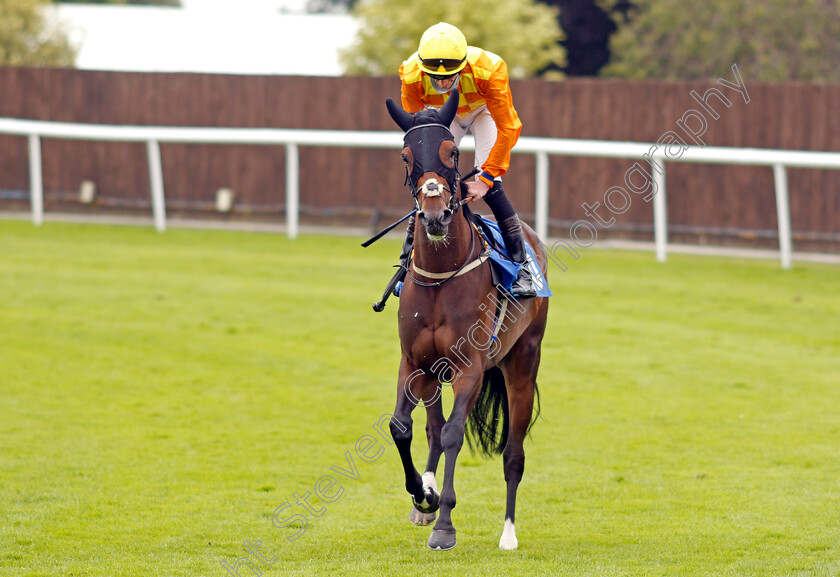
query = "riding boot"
x=399 y=276
x=496 y=199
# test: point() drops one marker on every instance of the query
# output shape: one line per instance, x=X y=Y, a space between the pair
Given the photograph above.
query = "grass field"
x=162 y=395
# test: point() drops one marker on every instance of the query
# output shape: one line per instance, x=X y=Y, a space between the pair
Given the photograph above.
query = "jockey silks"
x=483 y=82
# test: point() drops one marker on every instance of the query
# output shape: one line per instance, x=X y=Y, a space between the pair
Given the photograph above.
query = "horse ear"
x=403 y=119
x=450 y=109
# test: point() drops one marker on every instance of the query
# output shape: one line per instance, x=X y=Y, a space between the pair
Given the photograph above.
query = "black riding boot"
x=496 y=199
x=399 y=276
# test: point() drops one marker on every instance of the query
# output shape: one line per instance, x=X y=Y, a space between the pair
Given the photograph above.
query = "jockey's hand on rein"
x=477 y=188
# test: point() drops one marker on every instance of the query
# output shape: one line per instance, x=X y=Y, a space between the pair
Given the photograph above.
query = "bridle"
x=450 y=174
x=437 y=120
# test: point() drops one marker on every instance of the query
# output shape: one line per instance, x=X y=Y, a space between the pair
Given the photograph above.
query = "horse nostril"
x=422 y=217
x=447 y=216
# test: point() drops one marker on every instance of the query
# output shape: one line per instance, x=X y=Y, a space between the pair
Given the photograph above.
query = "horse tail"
x=488 y=423
x=487 y=426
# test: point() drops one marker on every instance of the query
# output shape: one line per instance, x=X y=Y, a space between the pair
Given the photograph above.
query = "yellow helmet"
x=442 y=51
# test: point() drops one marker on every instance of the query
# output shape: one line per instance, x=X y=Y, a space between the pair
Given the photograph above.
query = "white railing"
x=152 y=136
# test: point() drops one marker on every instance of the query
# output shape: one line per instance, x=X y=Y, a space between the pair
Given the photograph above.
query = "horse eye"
x=404 y=158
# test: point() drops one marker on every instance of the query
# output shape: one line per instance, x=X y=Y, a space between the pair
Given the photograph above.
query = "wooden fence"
x=706 y=203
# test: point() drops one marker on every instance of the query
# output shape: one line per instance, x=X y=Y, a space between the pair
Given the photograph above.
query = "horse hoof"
x=430 y=502
x=442 y=540
x=418 y=518
x=508 y=541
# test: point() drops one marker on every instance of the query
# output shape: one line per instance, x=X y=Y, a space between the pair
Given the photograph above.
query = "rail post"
x=292 y=189
x=36 y=182
x=660 y=210
x=156 y=181
x=783 y=215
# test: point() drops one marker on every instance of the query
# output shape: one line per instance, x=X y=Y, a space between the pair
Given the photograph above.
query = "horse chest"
x=427 y=337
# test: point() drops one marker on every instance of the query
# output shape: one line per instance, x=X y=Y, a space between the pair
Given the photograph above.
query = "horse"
x=452 y=333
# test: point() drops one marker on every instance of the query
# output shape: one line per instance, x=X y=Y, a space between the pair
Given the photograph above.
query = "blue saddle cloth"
x=506 y=269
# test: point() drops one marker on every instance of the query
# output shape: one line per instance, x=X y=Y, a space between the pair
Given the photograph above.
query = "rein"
x=445 y=276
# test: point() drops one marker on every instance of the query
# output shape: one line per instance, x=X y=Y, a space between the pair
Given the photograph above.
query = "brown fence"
x=706 y=203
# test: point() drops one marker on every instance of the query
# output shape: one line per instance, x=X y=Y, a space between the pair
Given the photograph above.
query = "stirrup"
x=398 y=277
x=405 y=262
x=523 y=287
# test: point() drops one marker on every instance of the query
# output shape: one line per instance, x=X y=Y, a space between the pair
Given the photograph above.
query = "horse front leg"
x=434 y=424
x=452 y=439
x=412 y=387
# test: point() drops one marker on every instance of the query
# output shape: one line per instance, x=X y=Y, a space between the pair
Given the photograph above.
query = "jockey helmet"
x=442 y=51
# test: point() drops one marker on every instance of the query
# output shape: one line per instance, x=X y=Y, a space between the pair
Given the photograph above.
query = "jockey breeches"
x=481 y=125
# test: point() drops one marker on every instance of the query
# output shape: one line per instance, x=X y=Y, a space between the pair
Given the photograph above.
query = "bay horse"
x=451 y=334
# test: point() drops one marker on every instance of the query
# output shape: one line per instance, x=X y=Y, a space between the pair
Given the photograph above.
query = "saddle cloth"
x=505 y=269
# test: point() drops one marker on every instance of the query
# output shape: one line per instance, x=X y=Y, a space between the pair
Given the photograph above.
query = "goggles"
x=450 y=66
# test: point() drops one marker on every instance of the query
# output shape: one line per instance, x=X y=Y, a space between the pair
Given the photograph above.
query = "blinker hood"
x=424 y=141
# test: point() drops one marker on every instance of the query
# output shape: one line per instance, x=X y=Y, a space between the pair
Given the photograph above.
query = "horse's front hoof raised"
x=430 y=502
x=418 y=518
x=442 y=540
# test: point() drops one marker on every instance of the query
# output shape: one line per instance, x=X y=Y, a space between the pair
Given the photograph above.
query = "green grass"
x=161 y=395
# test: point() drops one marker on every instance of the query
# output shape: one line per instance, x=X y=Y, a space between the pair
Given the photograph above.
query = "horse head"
x=431 y=159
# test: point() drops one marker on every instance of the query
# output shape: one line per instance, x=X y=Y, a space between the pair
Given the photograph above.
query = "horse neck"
x=440 y=257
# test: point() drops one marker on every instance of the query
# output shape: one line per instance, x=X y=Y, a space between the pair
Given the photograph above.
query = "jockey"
x=443 y=62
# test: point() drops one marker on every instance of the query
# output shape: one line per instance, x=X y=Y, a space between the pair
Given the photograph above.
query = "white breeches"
x=483 y=128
